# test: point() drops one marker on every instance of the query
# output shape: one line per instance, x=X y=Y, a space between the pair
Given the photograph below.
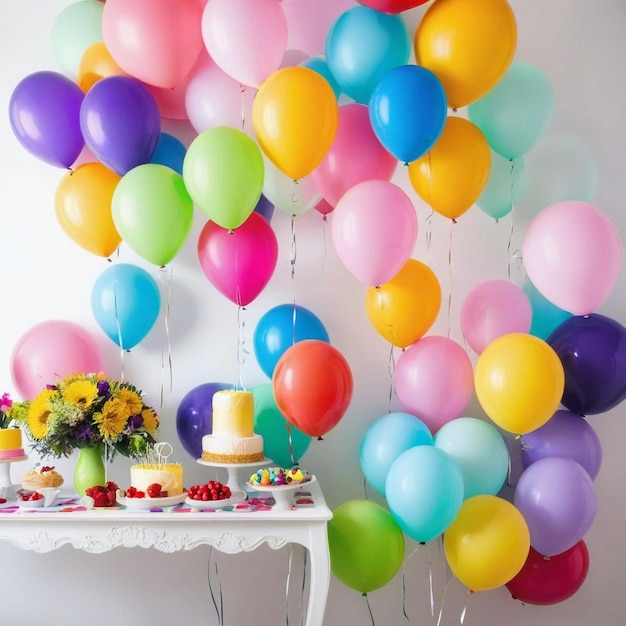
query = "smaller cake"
x=41 y=477
x=279 y=477
x=168 y=475
x=11 y=444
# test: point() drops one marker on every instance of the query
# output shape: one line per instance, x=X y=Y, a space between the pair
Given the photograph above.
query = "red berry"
x=111 y=486
x=130 y=492
x=140 y=494
x=100 y=499
x=154 y=490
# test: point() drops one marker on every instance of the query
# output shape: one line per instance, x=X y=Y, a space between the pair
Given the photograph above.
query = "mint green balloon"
x=517 y=112
x=224 y=171
x=152 y=212
x=506 y=186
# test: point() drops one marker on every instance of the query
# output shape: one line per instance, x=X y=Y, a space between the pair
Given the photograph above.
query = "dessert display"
x=279 y=477
x=11 y=444
x=233 y=440
x=40 y=477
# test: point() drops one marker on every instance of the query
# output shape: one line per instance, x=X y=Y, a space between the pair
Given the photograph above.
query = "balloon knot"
x=364 y=595
x=472 y=591
x=320 y=438
x=422 y=543
x=231 y=231
x=406 y=164
x=454 y=220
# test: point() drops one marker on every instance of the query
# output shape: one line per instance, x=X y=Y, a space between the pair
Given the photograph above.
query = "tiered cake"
x=11 y=444
x=233 y=440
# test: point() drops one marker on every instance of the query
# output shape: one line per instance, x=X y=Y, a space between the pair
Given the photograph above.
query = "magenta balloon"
x=52 y=350
x=121 y=122
x=556 y=497
x=44 y=112
x=239 y=263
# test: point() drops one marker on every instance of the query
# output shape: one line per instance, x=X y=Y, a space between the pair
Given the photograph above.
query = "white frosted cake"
x=233 y=440
x=168 y=475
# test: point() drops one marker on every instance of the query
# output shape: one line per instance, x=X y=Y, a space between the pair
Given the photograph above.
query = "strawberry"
x=153 y=490
x=100 y=499
x=3 y=500
x=111 y=486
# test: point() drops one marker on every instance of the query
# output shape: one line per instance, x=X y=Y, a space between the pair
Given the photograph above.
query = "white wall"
x=580 y=46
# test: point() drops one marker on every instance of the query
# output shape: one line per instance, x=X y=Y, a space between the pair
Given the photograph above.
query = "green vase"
x=89 y=470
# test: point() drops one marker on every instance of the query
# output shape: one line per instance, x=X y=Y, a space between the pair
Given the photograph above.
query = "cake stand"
x=283 y=494
x=238 y=473
x=7 y=488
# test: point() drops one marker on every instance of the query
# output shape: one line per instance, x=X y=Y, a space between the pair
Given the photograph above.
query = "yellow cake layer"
x=10 y=438
x=233 y=414
x=168 y=475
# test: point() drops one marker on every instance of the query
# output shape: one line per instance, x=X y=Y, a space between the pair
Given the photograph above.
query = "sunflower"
x=113 y=418
x=150 y=420
x=38 y=413
x=80 y=393
x=131 y=400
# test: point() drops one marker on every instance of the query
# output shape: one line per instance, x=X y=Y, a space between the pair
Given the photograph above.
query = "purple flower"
x=103 y=387
x=83 y=433
x=134 y=422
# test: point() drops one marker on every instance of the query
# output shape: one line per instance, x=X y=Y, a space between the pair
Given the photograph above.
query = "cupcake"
x=40 y=477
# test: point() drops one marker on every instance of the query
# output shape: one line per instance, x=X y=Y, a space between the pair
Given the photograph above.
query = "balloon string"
x=290 y=438
x=293 y=252
x=168 y=339
x=219 y=610
x=512 y=226
x=464 y=611
x=443 y=598
x=242 y=89
x=365 y=488
x=391 y=368
x=429 y=236
x=241 y=346
x=452 y=223
x=404 y=564
x=369 y=608
x=325 y=240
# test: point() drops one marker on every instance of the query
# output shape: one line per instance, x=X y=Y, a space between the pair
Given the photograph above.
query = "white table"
x=101 y=530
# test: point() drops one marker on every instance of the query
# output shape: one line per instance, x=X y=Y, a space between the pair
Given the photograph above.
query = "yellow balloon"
x=454 y=172
x=83 y=207
x=487 y=544
x=295 y=116
x=519 y=381
x=467 y=45
x=403 y=309
x=96 y=63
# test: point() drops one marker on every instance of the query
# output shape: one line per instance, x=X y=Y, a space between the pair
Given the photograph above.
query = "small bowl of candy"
x=30 y=500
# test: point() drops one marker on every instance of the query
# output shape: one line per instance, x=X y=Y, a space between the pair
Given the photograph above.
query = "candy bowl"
x=30 y=500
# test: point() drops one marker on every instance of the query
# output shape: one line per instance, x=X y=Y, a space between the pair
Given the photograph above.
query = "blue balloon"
x=279 y=329
x=265 y=208
x=318 y=64
x=408 y=110
x=126 y=301
x=546 y=316
x=385 y=440
x=170 y=152
x=194 y=417
x=361 y=46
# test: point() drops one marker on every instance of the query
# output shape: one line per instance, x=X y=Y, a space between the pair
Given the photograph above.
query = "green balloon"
x=152 y=212
x=506 y=186
x=366 y=545
x=223 y=170
x=270 y=423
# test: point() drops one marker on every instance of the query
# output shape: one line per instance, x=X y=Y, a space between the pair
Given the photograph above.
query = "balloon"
x=546 y=316
x=385 y=440
x=479 y=451
x=355 y=156
x=95 y=63
x=506 y=186
x=169 y=151
x=281 y=327
x=494 y=308
x=223 y=172
x=564 y=434
x=260 y=29
x=83 y=207
x=126 y=302
x=362 y=45
x=403 y=309
x=424 y=490
x=557 y=499
x=572 y=253
x=75 y=28
x=468 y=46
x=240 y=263
x=153 y=212
x=120 y=122
x=519 y=382
x=156 y=41
x=312 y=385
x=194 y=416
x=545 y=581
x=295 y=116
x=50 y=351
x=171 y=101
x=282 y=443
x=516 y=113
x=592 y=350
x=374 y=231
x=366 y=545
x=44 y=111
x=451 y=176
x=487 y=544
x=318 y=64
x=291 y=196
x=265 y=208
x=408 y=111
x=392 y=6
x=433 y=379
x=324 y=208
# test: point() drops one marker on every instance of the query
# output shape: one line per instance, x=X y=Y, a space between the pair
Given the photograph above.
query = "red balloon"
x=392 y=6
x=549 y=580
x=312 y=386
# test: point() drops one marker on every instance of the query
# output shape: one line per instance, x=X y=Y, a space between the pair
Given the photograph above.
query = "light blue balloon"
x=506 y=186
x=480 y=452
x=126 y=301
x=170 y=152
x=424 y=491
x=546 y=316
x=318 y=64
x=362 y=45
x=385 y=440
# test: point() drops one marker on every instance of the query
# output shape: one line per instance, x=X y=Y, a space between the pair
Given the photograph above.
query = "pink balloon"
x=434 y=380
x=241 y=262
x=52 y=350
x=246 y=38
x=492 y=309
x=155 y=41
x=374 y=230
x=324 y=208
x=572 y=253
x=355 y=155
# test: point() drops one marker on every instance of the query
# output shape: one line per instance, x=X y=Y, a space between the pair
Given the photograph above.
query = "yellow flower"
x=150 y=420
x=38 y=413
x=113 y=418
x=81 y=393
x=131 y=400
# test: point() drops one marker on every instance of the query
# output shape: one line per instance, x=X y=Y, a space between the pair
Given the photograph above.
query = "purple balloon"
x=557 y=499
x=592 y=349
x=44 y=112
x=564 y=434
x=121 y=122
x=194 y=417
x=265 y=208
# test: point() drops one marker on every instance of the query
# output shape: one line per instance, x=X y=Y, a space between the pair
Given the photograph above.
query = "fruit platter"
x=212 y=495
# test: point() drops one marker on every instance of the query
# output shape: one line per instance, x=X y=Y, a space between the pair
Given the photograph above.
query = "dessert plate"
x=235 y=498
x=151 y=503
x=283 y=494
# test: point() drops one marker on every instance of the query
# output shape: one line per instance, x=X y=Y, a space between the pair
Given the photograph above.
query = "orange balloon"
x=83 y=207
x=96 y=63
x=454 y=172
x=467 y=45
x=403 y=309
x=295 y=116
